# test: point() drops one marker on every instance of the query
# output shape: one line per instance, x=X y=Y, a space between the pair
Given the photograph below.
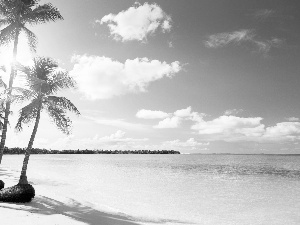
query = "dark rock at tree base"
x=1 y=184
x=18 y=193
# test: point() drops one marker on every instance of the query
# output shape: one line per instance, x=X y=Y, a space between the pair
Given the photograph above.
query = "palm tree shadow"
x=79 y=212
x=74 y=210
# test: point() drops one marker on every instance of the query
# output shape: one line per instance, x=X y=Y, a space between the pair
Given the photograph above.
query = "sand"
x=48 y=208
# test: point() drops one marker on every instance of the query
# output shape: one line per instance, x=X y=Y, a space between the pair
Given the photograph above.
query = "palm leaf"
x=59 y=117
x=62 y=103
x=4 y=21
x=27 y=114
x=8 y=34
x=29 y=3
x=22 y=94
x=5 y=8
x=42 y=14
x=61 y=80
x=24 y=69
x=2 y=83
x=31 y=38
x=18 y=94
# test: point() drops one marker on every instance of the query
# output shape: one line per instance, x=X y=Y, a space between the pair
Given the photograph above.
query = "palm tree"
x=16 y=14
x=44 y=80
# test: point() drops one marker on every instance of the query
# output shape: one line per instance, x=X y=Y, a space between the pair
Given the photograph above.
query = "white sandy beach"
x=49 y=208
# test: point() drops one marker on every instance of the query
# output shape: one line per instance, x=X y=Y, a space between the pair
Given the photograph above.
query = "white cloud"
x=114 y=141
x=149 y=114
x=292 y=119
x=232 y=129
x=137 y=22
x=103 y=78
x=264 y=13
x=232 y=112
x=183 y=112
x=285 y=131
x=242 y=36
x=191 y=143
x=221 y=39
x=172 y=122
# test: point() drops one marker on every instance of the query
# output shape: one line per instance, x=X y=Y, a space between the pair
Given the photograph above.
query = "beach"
x=47 y=208
x=155 y=189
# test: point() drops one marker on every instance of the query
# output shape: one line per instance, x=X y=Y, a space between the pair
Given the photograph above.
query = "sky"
x=194 y=76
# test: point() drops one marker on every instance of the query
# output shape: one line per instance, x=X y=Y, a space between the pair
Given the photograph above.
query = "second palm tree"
x=44 y=80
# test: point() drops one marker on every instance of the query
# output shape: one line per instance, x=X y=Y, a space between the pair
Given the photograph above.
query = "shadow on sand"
x=73 y=209
x=79 y=212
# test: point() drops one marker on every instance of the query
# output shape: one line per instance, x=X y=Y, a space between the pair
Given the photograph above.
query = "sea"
x=173 y=189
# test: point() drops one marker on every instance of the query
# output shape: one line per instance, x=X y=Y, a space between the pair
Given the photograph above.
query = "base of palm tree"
x=18 y=193
x=1 y=184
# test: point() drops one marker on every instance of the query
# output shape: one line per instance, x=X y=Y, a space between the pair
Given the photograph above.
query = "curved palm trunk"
x=8 y=103
x=23 y=177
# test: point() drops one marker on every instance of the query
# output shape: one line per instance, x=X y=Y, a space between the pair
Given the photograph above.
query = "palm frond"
x=62 y=103
x=30 y=3
x=2 y=67
x=42 y=14
x=61 y=80
x=31 y=38
x=22 y=94
x=60 y=119
x=43 y=66
x=23 y=69
x=8 y=34
x=4 y=21
x=2 y=83
x=27 y=114
x=18 y=94
x=5 y=8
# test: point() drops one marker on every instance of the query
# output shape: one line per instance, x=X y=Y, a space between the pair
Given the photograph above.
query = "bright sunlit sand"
x=49 y=208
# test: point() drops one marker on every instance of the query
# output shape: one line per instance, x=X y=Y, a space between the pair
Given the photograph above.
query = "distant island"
x=18 y=151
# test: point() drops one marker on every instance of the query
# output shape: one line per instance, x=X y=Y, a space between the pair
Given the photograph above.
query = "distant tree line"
x=17 y=151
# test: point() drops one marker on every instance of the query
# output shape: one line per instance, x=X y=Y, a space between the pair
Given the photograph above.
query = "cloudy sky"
x=198 y=76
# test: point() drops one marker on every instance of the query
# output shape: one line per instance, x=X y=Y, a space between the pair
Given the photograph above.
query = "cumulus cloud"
x=103 y=78
x=150 y=114
x=285 y=131
x=172 y=122
x=137 y=22
x=242 y=36
x=183 y=112
x=190 y=143
x=233 y=128
x=230 y=128
x=292 y=119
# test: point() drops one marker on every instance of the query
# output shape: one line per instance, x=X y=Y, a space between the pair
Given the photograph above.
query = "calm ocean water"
x=175 y=189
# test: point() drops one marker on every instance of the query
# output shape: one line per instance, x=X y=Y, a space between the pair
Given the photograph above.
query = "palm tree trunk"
x=8 y=103
x=23 y=177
